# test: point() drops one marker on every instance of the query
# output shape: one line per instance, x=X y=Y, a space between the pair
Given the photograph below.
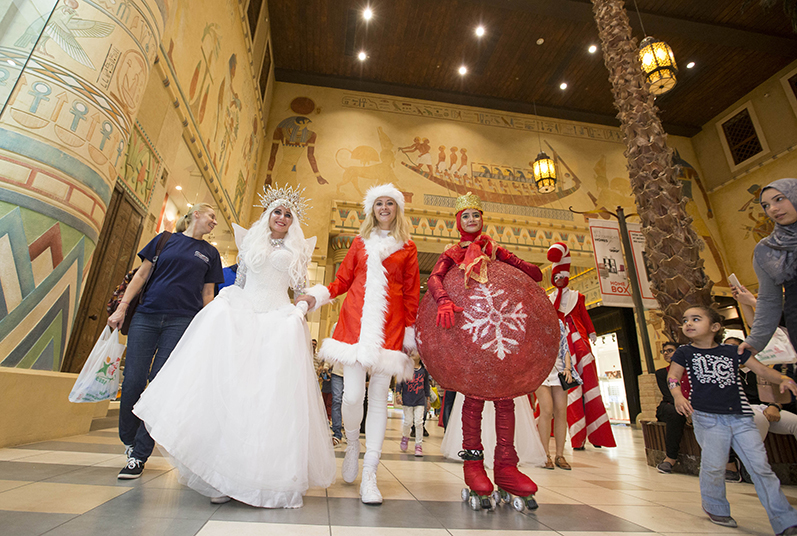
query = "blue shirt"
x=184 y=267
x=714 y=376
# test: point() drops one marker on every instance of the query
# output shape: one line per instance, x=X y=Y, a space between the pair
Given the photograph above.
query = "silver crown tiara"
x=292 y=197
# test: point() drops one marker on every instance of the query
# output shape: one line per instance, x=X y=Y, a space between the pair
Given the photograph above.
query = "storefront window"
x=610 y=378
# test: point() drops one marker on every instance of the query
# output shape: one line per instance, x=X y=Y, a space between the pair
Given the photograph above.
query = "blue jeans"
x=716 y=434
x=150 y=341
x=337 y=400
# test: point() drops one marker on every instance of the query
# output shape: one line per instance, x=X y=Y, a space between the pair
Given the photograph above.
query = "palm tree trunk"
x=673 y=247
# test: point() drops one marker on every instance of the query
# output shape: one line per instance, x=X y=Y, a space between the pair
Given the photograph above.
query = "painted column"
x=63 y=137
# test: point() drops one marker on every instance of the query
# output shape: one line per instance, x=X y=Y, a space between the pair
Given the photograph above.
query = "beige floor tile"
x=548 y=496
x=58 y=498
x=8 y=455
x=571 y=533
x=155 y=463
x=70 y=458
x=95 y=440
x=474 y=532
x=433 y=491
x=388 y=531
x=603 y=496
x=236 y=528
x=6 y=485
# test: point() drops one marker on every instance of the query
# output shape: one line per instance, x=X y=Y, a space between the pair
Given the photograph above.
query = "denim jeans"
x=150 y=341
x=337 y=400
x=716 y=434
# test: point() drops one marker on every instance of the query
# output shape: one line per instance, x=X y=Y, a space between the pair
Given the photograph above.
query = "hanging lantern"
x=544 y=173
x=658 y=64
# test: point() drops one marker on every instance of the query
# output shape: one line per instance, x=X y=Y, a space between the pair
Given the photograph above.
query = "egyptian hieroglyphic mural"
x=63 y=137
x=209 y=60
x=142 y=166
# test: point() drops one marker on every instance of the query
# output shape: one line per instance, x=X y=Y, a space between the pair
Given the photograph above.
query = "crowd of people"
x=202 y=372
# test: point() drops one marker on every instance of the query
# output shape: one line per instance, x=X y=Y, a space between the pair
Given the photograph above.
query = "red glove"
x=445 y=314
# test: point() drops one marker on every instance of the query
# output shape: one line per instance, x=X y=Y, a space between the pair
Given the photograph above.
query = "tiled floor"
x=69 y=487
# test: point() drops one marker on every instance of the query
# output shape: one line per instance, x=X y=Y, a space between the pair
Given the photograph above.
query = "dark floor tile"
x=314 y=512
x=168 y=479
x=353 y=512
x=458 y=515
x=157 y=503
x=29 y=523
x=580 y=517
x=104 y=423
x=33 y=472
x=87 y=525
x=103 y=476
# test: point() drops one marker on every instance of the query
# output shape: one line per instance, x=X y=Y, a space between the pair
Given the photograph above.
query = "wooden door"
x=113 y=258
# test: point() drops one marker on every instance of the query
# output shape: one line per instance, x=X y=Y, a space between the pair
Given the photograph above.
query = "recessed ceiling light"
x=367 y=13
x=592 y=49
x=178 y=187
x=563 y=85
x=11 y=62
x=480 y=31
x=362 y=55
x=540 y=41
x=214 y=243
x=690 y=65
x=463 y=70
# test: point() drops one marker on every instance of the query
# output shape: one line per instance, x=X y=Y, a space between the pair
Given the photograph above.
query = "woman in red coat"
x=376 y=325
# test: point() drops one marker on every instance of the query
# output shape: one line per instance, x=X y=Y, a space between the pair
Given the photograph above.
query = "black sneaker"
x=725 y=521
x=791 y=531
x=425 y=433
x=664 y=467
x=132 y=470
x=733 y=476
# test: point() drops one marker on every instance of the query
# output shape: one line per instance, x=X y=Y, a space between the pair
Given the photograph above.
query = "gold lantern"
x=658 y=64
x=544 y=173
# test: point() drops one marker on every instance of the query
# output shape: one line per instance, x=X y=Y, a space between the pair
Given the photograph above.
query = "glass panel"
x=22 y=24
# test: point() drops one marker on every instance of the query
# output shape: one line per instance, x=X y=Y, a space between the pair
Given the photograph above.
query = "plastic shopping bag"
x=779 y=349
x=99 y=379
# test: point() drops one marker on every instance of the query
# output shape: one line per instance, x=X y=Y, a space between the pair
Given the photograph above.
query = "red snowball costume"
x=586 y=415
x=473 y=254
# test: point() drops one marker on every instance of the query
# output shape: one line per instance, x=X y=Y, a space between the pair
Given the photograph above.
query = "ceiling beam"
x=659 y=25
x=463 y=99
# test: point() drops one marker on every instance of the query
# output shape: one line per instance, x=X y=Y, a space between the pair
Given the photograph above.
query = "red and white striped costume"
x=586 y=415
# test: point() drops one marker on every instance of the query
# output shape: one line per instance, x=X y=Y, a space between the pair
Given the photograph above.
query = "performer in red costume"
x=473 y=254
x=586 y=415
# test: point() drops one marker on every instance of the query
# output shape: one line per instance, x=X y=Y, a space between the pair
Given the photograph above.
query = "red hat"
x=559 y=255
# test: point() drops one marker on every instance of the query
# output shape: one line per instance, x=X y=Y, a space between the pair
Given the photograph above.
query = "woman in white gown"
x=237 y=406
x=527 y=438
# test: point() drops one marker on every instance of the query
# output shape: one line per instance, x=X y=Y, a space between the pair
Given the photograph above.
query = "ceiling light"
x=658 y=64
x=214 y=243
x=178 y=187
x=690 y=65
x=592 y=49
x=367 y=13
x=463 y=70
x=563 y=85
x=540 y=41
x=480 y=31
x=11 y=62
x=362 y=56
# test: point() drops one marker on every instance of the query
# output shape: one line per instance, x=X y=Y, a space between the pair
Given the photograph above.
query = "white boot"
x=351 y=462
x=369 y=493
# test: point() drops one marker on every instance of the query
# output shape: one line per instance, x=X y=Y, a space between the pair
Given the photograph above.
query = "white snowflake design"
x=496 y=322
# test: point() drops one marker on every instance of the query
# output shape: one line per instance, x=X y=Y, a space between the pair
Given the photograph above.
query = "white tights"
x=352 y=411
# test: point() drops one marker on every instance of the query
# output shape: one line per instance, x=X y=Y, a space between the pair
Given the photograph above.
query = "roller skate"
x=479 y=491
x=511 y=482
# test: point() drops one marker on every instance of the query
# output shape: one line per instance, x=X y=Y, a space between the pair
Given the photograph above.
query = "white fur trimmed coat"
x=377 y=319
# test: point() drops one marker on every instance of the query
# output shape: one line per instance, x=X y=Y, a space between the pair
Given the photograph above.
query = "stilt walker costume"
x=374 y=331
x=502 y=346
x=586 y=415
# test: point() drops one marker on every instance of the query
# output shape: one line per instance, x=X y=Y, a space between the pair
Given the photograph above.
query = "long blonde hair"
x=183 y=223
x=399 y=229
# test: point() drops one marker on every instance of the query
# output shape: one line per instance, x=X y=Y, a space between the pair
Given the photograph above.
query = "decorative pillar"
x=340 y=247
x=63 y=135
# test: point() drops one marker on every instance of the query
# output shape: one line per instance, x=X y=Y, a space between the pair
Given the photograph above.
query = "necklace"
x=277 y=243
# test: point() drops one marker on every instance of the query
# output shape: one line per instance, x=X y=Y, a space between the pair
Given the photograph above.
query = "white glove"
x=301 y=308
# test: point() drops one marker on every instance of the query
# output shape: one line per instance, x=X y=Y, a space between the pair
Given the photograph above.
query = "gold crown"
x=469 y=200
x=290 y=196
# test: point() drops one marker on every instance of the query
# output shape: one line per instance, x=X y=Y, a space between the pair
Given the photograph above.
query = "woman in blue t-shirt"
x=722 y=417
x=183 y=282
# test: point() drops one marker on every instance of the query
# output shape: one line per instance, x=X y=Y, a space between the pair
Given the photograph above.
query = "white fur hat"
x=382 y=190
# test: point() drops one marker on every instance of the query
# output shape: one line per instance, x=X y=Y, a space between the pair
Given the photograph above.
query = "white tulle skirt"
x=237 y=406
x=527 y=438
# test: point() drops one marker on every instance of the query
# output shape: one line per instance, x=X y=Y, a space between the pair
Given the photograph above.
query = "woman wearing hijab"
x=775 y=264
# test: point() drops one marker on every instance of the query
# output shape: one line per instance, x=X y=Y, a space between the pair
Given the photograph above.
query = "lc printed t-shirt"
x=714 y=377
x=183 y=268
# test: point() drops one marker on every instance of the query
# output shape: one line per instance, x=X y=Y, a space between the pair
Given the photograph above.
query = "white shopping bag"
x=779 y=350
x=99 y=379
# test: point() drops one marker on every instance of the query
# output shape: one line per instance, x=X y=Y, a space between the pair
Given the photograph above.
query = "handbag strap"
x=165 y=236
